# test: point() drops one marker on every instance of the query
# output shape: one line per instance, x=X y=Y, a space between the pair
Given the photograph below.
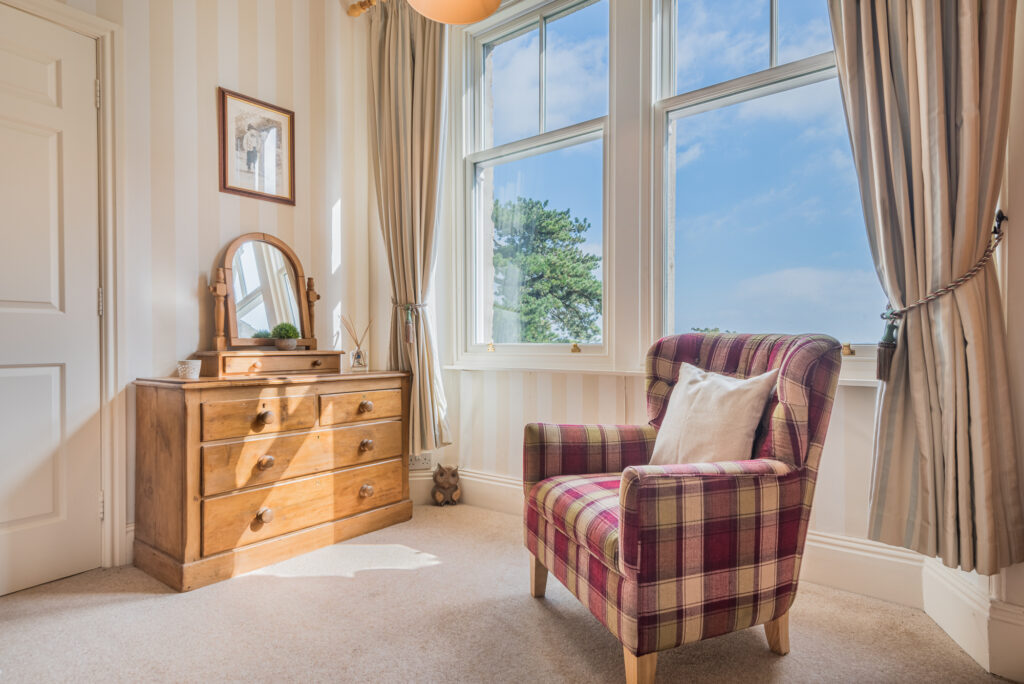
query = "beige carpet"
x=441 y=598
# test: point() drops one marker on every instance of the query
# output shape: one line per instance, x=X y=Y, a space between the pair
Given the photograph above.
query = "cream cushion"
x=711 y=417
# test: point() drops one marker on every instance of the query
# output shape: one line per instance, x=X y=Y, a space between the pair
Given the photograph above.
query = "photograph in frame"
x=256 y=148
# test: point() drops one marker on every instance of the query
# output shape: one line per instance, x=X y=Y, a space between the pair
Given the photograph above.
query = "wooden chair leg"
x=777 y=632
x=538 y=578
x=639 y=669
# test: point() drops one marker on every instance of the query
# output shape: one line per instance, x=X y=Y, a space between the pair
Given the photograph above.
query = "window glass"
x=804 y=29
x=512 y=102
x=718 y=40
x=768 y=232
x=576 y=67
x=539 y=247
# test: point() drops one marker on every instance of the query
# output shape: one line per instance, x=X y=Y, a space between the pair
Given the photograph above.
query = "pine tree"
x=545 y=285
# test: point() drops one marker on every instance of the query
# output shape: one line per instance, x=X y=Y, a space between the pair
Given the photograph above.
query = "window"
x=536 y=176
x=762 y=208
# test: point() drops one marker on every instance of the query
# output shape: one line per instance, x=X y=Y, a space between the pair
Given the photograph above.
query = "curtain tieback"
x=887 y=347
x=408 y=308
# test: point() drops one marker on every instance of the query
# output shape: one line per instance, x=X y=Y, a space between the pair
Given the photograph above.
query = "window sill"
x=856 y=371
x=540 y=368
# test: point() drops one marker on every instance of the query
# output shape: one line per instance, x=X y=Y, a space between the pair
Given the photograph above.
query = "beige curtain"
x=926 y=86
x=406 y=114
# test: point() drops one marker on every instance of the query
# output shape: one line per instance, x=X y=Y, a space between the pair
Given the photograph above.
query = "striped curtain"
x=926 y=87
x=406 y=108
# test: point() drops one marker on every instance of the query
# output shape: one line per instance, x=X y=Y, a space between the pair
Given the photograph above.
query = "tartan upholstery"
x=550 y=450
x=703 y=549
x=583 y=507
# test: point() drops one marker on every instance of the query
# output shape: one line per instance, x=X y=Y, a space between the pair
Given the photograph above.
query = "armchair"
x=667 y=555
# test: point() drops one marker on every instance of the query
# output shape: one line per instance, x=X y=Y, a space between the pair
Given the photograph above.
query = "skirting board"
x=494 y=492
x=863 y=567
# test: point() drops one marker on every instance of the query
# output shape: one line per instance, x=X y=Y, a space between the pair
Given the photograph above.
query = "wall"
x=1010 y=587
x=303 y=55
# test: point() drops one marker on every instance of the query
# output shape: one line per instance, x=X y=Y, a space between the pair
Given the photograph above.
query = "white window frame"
x=774 y=79
x=470 y=352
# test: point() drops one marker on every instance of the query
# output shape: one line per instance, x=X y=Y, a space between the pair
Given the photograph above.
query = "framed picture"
x=257 y=148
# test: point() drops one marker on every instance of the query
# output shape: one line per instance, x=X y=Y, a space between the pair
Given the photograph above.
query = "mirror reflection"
x=265 y=290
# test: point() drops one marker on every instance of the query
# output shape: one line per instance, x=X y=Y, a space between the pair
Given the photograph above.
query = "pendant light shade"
x=455 y=11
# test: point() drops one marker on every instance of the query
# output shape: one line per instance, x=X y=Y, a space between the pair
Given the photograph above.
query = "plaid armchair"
x=667 y=555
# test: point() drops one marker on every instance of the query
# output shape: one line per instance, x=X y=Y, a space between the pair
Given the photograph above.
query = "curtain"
x=406 y=111
x=926 y=87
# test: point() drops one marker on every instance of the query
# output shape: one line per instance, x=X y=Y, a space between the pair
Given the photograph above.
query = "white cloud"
x=513 y=88
x=844 y=303
x=577 y=81
x=709 y=41
x=689 y=155
x=816 y=38
x=818 y=105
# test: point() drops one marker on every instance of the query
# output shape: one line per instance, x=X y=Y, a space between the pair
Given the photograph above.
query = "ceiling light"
x=455 y=11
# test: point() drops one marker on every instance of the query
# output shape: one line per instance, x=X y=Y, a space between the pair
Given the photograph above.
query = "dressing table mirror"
x=259 y=285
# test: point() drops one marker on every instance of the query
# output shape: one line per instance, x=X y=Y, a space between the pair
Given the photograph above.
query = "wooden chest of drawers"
x=235 y=474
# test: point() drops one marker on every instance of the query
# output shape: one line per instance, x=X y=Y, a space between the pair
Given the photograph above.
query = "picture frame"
x=257 y=148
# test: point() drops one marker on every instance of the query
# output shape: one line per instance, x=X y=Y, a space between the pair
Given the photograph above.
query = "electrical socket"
x=421 y=462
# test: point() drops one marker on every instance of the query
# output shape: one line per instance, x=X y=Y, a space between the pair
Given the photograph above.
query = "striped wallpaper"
x=304 y=55
x=488 y=410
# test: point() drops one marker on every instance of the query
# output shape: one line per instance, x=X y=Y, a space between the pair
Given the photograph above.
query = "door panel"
x=49 y=274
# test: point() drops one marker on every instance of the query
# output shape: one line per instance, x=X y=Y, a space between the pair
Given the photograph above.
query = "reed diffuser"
x=357 y=359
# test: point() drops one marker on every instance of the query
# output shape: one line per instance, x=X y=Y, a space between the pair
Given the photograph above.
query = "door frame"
x=115 y=532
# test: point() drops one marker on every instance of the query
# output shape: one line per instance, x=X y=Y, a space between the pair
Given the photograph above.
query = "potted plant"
x=285 y=336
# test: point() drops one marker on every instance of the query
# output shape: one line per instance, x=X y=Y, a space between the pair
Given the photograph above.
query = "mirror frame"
x=305 y=296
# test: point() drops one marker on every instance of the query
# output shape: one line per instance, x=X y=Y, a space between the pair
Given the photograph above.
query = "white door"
x=49 y=324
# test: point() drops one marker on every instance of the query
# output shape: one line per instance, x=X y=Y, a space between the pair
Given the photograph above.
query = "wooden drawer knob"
x=265 y=515
x=366 y=445
x=256 y=365
x=266 y=462
x=365 y=406
x=317 y=363
x=366 y=491
x=266 y=418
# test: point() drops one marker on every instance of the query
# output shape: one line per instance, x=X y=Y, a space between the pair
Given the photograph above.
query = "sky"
x=767 y=229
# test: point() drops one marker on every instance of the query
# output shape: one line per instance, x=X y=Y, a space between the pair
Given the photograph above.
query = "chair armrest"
x=550 y=449
x=700 y=518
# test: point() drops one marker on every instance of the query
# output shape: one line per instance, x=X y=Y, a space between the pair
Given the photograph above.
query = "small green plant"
x=285 y=331
x=262 y=334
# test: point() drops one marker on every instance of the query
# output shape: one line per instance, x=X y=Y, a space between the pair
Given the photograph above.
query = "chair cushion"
x=585 y=508
x=712 y=416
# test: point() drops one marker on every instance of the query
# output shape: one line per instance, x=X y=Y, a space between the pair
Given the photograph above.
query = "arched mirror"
x=261 y=285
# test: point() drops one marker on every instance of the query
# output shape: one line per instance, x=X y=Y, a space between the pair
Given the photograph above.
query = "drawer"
x=262 y=364
x=244 y=417
x=242 y=518
x=348 y=407
x=261 y=461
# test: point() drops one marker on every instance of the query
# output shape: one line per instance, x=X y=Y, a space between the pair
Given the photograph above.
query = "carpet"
x=443 y=597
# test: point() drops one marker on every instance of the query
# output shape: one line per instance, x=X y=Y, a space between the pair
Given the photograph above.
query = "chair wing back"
x=796 y=418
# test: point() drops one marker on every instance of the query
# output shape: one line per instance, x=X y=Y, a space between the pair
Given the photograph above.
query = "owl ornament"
x=446 y=485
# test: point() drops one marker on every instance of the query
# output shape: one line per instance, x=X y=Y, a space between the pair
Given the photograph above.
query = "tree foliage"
x=545 y=285
x=711 y=330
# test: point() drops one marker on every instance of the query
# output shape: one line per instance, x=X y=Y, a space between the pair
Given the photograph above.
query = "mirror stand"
x=276 y=291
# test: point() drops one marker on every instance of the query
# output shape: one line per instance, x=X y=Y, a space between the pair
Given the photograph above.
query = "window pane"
x=512 y=102
x=768 y=232
x=539 y=237
x=721 y=40
x=576 y=67
x=804 y=29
